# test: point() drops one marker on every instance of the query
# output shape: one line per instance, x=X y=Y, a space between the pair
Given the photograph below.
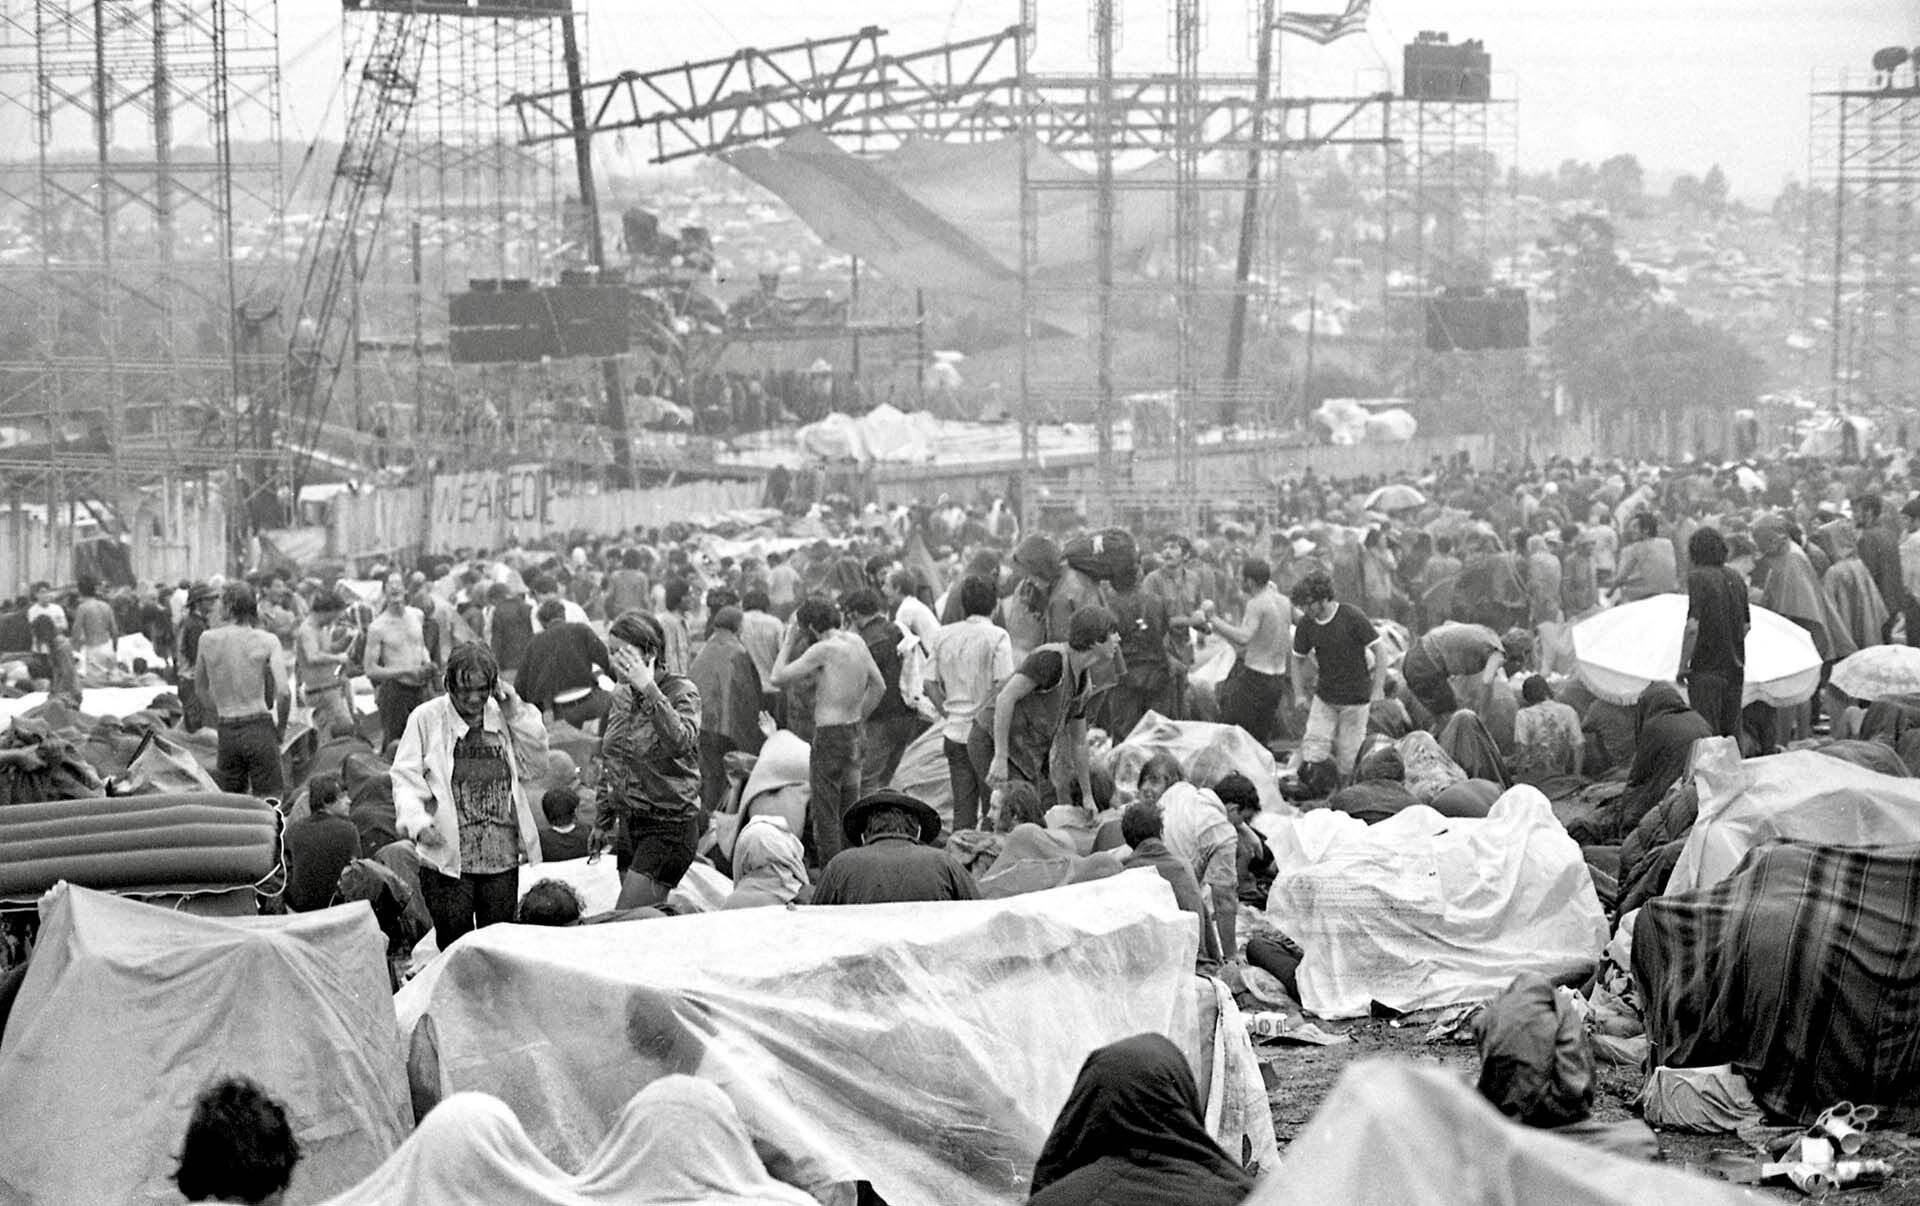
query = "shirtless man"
x=849 y=688
x=235 y=665
x=397 y=660
x=1258 y=681
x=320 y=647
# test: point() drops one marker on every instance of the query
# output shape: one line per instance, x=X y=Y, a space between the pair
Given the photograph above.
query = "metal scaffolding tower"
x=1865 y=278
x=870 y=100
x=1452 y=223
x=467 y=201
x=142 y=204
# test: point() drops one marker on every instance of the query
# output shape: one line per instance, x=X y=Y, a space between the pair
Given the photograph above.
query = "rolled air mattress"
x=149 y=843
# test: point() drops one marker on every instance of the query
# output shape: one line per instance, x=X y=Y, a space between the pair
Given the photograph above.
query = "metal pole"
x=1104 y=203
x=620 y=476
x=1836 y=321
x=419 y=329
x=853 y=317
x=920 y=346
x=1029 y=246
x=1186 y=237
x=1264 y=70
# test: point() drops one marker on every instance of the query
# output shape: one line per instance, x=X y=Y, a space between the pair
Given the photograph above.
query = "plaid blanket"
x=1800 y=969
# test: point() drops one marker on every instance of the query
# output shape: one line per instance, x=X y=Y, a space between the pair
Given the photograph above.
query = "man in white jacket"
x=460 y=793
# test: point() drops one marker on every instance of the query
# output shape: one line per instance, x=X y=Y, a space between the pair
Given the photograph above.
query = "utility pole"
x=615 y=415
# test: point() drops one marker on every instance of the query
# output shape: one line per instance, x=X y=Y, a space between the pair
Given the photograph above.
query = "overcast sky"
x=1680 y=83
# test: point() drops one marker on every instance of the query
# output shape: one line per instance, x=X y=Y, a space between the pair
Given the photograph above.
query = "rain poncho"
x=769 y=866
x=470 y=1148
x=1465 y=739
x=1536 y=1064
x=1793 y=590
x=1032 y=859
x=1131 y=1134
x=1665 y=729
x=680 y=1141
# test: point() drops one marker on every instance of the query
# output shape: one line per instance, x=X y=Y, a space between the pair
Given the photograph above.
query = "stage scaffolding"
x=1216 y=132
x=1864 y=244
x=141 y=200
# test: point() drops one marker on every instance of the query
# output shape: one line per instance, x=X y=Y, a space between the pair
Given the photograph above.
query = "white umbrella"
x=1878 y=671
x=1619 y=651
x=1396 y=497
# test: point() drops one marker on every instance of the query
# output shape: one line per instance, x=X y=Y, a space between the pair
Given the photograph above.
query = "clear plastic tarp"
x=1422 y=910
x=923 y=1047
x=1802 y=795
x=129 y=1011
x=1394 y=1132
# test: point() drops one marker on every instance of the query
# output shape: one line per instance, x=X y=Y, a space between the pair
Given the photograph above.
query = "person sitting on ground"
x=680 y=1140
x=1547 y=743
x=1020 y=804
x=769 y=866
x=239 y=1147
x=1378 y=790
x=1141 y=826
x=889 y=856
x=1133 y=1134
x=1388 y=715
x=562 y=839
x=1196 y=827
x=1470 y=744
x=320 y=845
x=550 y=902
x=1253 y=859
x=1665 y=730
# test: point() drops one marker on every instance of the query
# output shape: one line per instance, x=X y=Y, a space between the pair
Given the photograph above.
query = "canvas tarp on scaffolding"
x=946 y=216
x=925 y=1048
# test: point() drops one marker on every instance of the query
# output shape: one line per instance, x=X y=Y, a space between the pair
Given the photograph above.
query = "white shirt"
x=970 y=659
x=916 y=617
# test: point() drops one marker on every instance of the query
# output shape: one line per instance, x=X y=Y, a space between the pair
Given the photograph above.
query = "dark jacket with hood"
x=1665 y=729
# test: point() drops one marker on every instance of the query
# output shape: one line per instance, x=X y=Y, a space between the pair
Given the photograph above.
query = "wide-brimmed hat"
x=854 y=824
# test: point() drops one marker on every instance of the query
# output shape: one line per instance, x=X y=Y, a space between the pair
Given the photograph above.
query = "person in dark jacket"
x=510 y=631
x=561 y=673
x=649 y=758
x=1665 y=729
x=890 y=856
x=319 y=845
x=729 y=686
x=1132 y=1134
x=892 y=725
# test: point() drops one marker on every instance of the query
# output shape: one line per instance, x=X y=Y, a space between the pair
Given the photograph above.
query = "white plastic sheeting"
x=1394 y=1132
x=1348 y=421
x=925 y=1048
x=882 y=434
x=1802 y=795
x=129 y=1011
x=1620 y=650
x=1207 y=752
x=1422 y=910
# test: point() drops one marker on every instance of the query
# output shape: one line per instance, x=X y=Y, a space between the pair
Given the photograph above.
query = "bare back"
x=846 y=670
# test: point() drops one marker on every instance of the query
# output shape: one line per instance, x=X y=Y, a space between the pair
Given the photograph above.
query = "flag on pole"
x=1327 y=27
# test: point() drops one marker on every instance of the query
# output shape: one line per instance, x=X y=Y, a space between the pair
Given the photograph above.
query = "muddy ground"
x=1302 y=1076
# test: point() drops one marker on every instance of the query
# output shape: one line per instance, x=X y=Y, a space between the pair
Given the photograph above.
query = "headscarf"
x=1136 y=1100
x=769 y=866
x=680 y=1141
x=470 y=1148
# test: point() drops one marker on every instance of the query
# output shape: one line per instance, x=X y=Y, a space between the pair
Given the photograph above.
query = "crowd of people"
x=1388 y=647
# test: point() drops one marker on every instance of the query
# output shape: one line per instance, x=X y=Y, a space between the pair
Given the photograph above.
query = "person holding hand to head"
x=650 y=762
x=460 y=777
